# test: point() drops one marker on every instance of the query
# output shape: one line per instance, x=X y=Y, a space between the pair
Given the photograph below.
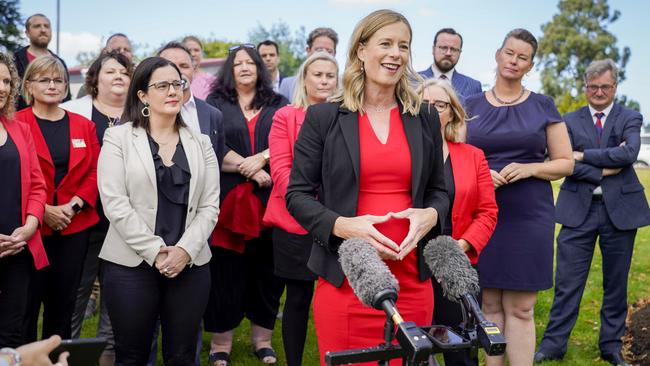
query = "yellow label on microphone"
x=492 y=330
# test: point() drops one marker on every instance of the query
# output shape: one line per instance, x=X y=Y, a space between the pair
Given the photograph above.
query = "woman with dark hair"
x=107 y=82
x=21 y=246
x=67 y=147
x=159 y=184
x=516 y=129
x=243 y=282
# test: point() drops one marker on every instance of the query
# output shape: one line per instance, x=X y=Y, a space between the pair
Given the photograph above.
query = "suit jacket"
x=287 y=86
x=33 y=190
x=82 y=106
x=21 y=61
x=211 y=123
x=324 y=180
x=81 y=179
x=282 y=138
x=465 y=86
x=622 y=193
x=128 y=189
x=474 y=211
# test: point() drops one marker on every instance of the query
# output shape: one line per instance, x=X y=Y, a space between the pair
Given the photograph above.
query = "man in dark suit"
x=270 y=54
x=603 y=199
x=447 y=46
x=39 y=32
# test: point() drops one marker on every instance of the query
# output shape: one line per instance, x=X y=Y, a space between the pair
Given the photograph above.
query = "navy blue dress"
x=519 y=256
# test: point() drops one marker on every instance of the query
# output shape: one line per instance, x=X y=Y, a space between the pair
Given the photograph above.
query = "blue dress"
x=519 y=256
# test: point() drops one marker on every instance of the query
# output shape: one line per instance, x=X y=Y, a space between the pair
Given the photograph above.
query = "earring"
x=145 y=110
x=362 y=67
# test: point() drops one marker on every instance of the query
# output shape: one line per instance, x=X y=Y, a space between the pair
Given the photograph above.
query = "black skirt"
x=290 y=254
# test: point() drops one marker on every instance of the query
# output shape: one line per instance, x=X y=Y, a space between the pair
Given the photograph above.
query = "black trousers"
x=16 y=272
x=55 y=286
x=136 y=297
x=243 y=285
x=295 y=319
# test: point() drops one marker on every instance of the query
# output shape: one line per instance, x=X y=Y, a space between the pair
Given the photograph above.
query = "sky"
x=84 y=25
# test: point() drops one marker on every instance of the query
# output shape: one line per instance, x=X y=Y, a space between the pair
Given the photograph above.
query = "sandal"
x=219 y=358
x=265 y=352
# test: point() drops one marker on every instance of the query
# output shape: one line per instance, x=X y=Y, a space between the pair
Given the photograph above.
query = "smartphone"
x=446 y=339
x=83 y=352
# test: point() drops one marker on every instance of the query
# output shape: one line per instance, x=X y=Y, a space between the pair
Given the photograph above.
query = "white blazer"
x=128 y=189
x=82 y=106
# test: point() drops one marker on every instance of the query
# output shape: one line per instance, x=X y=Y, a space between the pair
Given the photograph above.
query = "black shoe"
x=543 y=357
x=615 y=359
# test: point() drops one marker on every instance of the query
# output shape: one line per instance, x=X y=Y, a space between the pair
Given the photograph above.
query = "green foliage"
x=568 y=103
x=575 y=37
x=10 y=26
x=292 y=45
x=215 y=48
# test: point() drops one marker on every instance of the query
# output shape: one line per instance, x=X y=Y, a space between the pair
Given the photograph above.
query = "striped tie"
x=599 y=125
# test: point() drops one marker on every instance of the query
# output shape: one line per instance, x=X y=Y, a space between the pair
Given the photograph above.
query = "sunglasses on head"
x=238 y=47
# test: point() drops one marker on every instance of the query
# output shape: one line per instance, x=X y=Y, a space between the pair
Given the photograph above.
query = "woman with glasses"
x=23 y=194
x=243 y=282
x=473 y=214
x=159 y=185
x=67 y=148
x=526 y=145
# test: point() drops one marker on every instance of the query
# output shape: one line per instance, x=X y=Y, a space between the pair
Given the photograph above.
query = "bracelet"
x=14 y=356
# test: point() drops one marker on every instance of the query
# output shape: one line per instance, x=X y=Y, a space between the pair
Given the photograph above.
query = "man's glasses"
x=445 y=49
x=439 y=105
x=237 y=47
x=606 y=88
x=163 y=86
x=47 y=81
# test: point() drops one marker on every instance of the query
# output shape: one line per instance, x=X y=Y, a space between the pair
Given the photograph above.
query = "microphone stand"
x=389 y=330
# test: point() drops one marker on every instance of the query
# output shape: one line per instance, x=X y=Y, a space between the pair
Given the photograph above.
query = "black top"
x=451 y=192
x=10 y=218
x=102 y=122
x=57 y=138
x=173 y=193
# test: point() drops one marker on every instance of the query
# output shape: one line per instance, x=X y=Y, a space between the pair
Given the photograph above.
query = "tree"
x=292 y=46
x=10 y=25
x=575 y=37
x=217 y=48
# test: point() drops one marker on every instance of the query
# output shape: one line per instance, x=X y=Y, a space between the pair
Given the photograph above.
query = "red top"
x=81 y=179
x=284 y=132
x=474 y=213
x=33 y=191
x=30 y=57
x=251 y=130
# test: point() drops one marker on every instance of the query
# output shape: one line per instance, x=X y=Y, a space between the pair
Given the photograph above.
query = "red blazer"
x=474 y=213
x=81 y=179
x=33 y=191
x=283 y=135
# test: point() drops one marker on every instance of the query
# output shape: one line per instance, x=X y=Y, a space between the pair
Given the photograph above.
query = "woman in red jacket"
x=473 y=216
x=21 y=247
x=315 y=82
x=67 y=148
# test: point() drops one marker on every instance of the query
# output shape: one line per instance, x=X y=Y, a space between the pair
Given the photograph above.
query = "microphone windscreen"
x=451 y=267
x=367 y=274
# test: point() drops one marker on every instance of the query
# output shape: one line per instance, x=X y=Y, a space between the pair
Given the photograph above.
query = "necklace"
x=523 y=90
x=379 y=109
x=112 y=121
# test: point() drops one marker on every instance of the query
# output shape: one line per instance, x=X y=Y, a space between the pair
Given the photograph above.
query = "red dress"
x=342 y=321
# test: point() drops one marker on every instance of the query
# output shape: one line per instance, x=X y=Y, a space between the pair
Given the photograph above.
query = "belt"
x=597 y=197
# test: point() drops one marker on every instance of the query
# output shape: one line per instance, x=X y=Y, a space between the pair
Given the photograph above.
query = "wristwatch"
x=14 y=356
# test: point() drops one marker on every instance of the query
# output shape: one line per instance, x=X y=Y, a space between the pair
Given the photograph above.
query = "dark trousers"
x=449 y=313
x=16 y=272
x=295 y=318
x=136 y=297
x=243 y=285
x=55 y=286
x=575 y=249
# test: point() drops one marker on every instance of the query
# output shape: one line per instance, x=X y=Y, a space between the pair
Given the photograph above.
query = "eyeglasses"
x=445 y=49
x=324 y=49
x=606 y=88
x=47 y=81
x=240 y=46
x=439 y=105
x=163 y=86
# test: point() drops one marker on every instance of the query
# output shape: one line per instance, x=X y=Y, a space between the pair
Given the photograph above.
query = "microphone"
x=459 y=282
x=375 y=286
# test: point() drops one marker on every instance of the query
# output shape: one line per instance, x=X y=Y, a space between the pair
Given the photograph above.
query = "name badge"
x=77 y=143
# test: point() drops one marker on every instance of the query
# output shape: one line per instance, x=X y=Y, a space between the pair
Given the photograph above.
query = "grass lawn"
x=583 y=346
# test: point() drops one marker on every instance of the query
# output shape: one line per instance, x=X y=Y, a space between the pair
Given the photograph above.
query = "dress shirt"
x=202 y=84
x=599 y=191
x=436 y=72
x=276 y=82
x=190 y=115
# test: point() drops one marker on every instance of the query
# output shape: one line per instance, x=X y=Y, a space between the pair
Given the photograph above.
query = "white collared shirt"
x=598 y=190
x=276 y=82
x=190 y=114
x=436 y=72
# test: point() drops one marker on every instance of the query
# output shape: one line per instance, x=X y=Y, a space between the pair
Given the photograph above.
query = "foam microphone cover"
x=451 y=267
x=367 y=274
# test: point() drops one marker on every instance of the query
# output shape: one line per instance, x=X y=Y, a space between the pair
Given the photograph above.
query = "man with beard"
x=39 y=33
x=447 y=46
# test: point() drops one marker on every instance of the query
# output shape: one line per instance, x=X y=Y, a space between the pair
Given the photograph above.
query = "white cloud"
x=364 y=2
x=426 y=12
x=73 y=43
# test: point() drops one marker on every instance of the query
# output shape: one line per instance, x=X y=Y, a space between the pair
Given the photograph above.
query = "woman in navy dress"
x=516 y=129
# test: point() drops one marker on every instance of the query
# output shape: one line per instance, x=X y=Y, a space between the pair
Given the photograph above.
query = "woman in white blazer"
x=159 y=183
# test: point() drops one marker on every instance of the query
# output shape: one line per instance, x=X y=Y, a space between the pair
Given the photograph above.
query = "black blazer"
x=21 y=61
x=324 y=181
x=237 y=138
x=211 y=123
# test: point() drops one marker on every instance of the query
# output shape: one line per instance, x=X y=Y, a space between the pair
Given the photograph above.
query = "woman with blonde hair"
x=473 y=214
x=317 y=79
x=369 y=165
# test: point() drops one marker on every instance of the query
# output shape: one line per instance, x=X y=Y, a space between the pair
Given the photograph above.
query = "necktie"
x=443 y=77
x=599 y=125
